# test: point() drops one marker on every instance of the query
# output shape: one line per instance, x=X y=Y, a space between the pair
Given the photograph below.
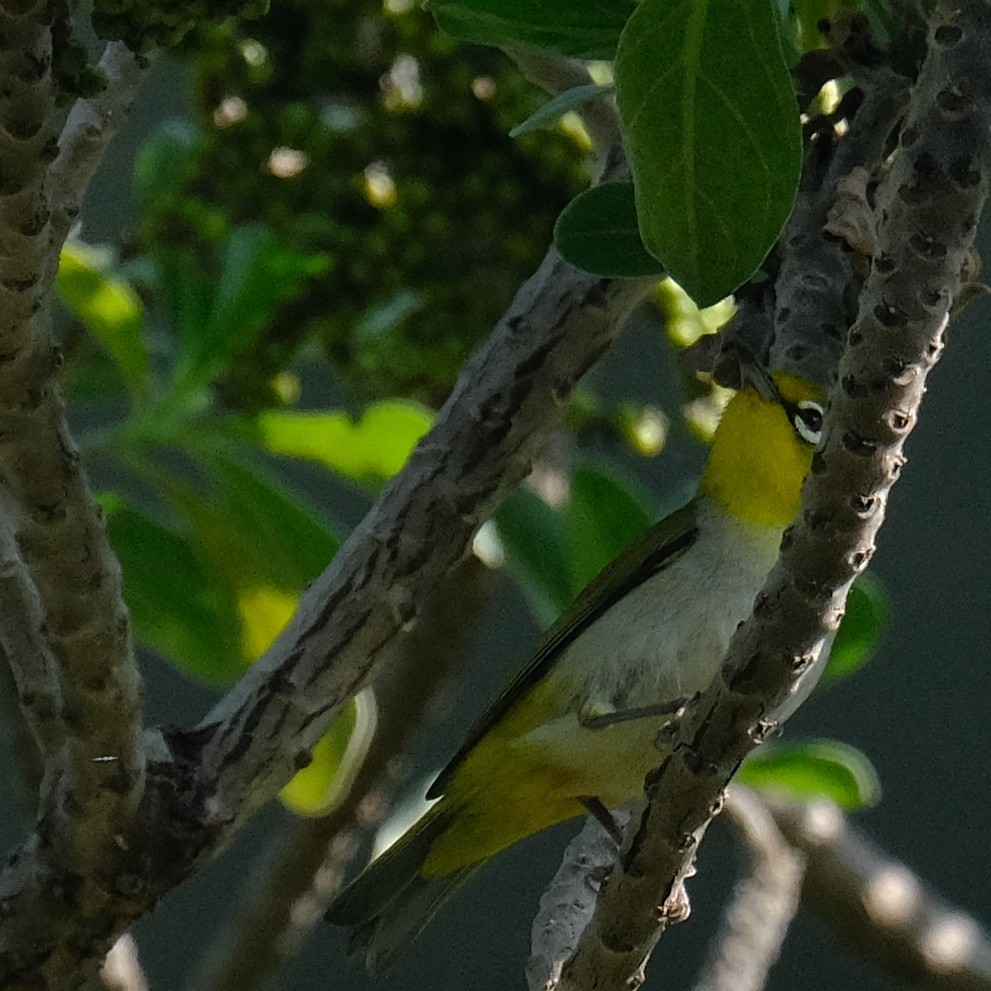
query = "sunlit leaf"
x=601 y=517
x=713 y=136
x=598 y=232
x=861 y=629
x=553 y=110
x=264 y=612
x=337 y=758
x=108 y=308
x=367 y=450
x=815 y=769
x=589 y=29
x=180 y=607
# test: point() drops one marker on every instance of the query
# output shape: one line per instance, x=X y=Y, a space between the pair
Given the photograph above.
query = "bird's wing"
x=664 y=543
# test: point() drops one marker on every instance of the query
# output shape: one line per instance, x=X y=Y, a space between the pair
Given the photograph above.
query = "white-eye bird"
x=577 y=729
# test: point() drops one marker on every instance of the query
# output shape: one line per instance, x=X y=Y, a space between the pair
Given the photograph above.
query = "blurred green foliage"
x=361 y=134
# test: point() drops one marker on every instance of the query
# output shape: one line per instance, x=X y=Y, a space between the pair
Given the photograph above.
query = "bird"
x=577 y=730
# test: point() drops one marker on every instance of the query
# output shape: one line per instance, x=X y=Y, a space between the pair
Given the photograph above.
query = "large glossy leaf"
x=589 y=29
x=367 y=450
x=602 y=516
x=713 y=136
x=598 y=232
x=861 y=629
x=815 y=769
x=108 y=308
x=180 y=607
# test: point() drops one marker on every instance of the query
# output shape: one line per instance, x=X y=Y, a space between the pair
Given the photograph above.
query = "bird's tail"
x=388 y=905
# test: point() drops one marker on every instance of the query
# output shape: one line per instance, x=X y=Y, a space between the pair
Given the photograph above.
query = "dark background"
x=918 y=710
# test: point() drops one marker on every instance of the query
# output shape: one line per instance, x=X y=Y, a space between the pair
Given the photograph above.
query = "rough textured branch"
x=31 y=663
x=928 y=210
x=881 y=908
x=59 y=528
x=483 y=444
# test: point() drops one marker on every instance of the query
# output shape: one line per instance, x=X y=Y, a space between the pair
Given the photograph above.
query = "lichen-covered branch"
x=928 y=207
x=881 y=908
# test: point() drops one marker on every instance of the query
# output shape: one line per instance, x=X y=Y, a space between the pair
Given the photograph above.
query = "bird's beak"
x=759 y=378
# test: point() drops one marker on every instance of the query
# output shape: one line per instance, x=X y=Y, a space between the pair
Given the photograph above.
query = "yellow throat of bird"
x=758 y=463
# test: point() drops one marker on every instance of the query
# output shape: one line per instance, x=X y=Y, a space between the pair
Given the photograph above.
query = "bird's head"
x=763 y=447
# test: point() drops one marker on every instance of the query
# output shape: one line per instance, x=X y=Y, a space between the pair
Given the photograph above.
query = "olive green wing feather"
x=662 y=544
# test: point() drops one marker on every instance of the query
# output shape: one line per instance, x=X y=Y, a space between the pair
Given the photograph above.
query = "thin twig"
x=89 y=128
x=763 y=903
x=928 y=210
x=881 y=908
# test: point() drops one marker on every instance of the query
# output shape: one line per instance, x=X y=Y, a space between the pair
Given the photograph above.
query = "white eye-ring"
x=808 y=420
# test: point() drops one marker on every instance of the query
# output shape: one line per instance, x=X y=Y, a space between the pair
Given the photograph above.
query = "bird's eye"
x=808 y=420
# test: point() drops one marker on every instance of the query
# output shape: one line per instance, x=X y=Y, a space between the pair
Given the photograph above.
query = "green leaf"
x=164 y=160
x=254 y=528
x=258 y=276
x=536 y=556
x=108 y=308
x=713 y=136
x=598 y=232
x=337 y=758
x=180 y=608
x=588 y=30
x=368 y=450
x=815 y=769
x=601 y=517
x=860 y=631
x=553 y=110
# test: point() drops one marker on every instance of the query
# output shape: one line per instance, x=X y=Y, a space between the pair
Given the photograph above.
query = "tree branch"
x=308 y=867
x=763 y=904
x=928 y=210
x=90 y=127
x=59 y=529
x=509 y=395
x=33 y=668
x=880 y=908
x=205 y=784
